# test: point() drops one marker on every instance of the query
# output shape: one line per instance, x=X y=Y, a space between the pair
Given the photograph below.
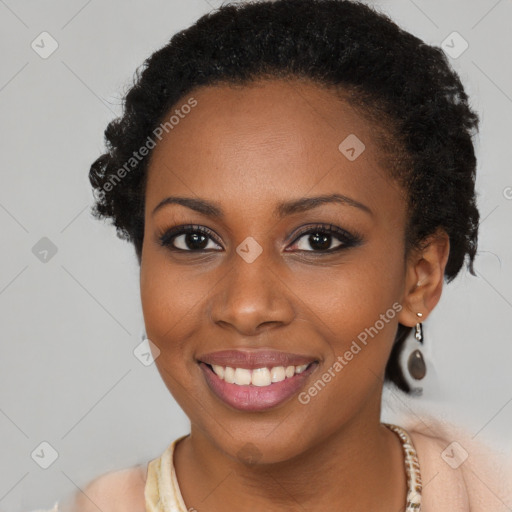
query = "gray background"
x=69 y=325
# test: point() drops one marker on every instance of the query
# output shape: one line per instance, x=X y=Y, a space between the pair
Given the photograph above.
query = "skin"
x=247 y=149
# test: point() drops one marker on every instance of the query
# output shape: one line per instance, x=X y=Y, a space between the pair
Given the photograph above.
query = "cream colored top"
x=162 y=492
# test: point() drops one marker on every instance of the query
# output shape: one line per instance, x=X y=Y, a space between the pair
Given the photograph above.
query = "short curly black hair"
x=401 y=84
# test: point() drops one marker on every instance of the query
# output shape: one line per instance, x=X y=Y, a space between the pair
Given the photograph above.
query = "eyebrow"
x=212 y=209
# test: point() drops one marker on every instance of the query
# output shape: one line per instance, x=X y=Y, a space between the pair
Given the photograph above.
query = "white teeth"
x=229 y=375
x=301 y=368
x=219 y=370
x=242 y=376
x=277 y=374
x=259 y=376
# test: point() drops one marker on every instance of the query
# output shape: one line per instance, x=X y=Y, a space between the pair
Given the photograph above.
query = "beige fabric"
x=162 y=491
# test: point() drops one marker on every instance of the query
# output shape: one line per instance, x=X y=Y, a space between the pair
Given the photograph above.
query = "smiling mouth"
x=260 y=377
x=256 y=389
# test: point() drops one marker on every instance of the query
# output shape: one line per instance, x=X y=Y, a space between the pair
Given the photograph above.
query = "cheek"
x=170 y=303
x=168 y=298
x=355 y=305
x=170 y=307
x=356 y=313
x=351 y=296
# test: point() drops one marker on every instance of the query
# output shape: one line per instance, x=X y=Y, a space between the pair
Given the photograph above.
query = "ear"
x=424 y=278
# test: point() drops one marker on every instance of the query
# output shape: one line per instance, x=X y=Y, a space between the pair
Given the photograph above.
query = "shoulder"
x=444 y=486
x=459 y=472
x=116 y=491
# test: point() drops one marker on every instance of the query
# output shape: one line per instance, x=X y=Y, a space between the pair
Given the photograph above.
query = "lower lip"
x=255 y=398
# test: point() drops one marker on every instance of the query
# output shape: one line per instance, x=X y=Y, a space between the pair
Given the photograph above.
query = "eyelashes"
x=168 y=238
x=328 y=231
x=196 y=239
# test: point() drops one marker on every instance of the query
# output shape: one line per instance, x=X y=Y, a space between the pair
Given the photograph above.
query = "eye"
x=188 y=239
x=195 y=238
x=321 y=237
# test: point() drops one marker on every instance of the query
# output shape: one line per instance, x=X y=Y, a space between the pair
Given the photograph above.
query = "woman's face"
x=257 y=281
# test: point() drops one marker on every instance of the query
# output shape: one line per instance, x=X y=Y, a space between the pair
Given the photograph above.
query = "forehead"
x=272 y=140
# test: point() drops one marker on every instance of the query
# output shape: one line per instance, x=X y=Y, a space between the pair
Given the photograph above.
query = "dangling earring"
x=416 y=362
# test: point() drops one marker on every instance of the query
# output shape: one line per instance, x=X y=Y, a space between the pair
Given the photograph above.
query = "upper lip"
x=254 y=359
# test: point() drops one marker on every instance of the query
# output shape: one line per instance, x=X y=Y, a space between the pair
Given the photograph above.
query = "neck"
x=360 y=466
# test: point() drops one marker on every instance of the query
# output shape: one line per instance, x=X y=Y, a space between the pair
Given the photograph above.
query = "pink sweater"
x=459 y=474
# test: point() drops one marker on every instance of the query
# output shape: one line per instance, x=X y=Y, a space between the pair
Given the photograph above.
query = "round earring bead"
x=416 y=365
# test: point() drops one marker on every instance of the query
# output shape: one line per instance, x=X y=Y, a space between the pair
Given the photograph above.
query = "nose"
x=252 y=297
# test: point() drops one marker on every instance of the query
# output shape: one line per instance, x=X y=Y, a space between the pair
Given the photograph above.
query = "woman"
x=297 y=178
